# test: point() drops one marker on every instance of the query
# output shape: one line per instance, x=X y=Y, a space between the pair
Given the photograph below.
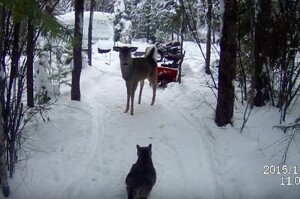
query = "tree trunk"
x=208 y=38
x=181 y=44
x=251 y=95
x=261 y=38
x=90 y=32
x=8 y=126
x=29 y=64
x=225 y=101
x=77 y=50
x=2 y=28
x=3 y=157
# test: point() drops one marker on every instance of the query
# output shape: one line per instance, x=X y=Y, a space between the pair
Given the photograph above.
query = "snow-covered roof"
x=102 y=24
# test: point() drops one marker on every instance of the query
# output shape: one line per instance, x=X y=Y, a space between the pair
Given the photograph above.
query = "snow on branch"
x=295 y=128
x=285 y=127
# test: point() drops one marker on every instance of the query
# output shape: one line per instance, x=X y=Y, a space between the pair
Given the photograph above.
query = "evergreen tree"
x=118 y=23
x=167 y=12
x=154 y=20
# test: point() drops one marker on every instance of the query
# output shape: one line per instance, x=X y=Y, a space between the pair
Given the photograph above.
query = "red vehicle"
x=168 y=70
x=167 y=73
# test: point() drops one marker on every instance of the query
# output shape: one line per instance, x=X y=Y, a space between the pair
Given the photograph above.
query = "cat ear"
x=150 y=146
x=138 y=147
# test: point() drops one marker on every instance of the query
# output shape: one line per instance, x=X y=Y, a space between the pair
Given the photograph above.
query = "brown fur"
x=136 y=70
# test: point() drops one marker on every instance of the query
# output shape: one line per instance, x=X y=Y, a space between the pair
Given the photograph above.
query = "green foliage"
x=42 y=19
x=244 y=20
x=50 y=27
x=60 y=58
x=61 y=69
x=56 y=59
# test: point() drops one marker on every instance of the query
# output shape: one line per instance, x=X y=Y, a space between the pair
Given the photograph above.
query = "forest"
x=257 y=42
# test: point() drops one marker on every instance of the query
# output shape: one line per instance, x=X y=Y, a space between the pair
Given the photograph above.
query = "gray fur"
x=142 y=176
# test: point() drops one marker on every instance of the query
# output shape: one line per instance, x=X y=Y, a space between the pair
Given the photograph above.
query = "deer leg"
x=141 y=90
x=153 y=80
x=154 y=86
x=133 y=88
x=128 y=86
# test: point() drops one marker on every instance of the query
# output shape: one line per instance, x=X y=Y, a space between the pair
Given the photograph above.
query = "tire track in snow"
x=180 y=155
x=203 y=153
x=172 y=157
x=91 y=184
x=207 y=149
x=71 y=189
x=99 y=165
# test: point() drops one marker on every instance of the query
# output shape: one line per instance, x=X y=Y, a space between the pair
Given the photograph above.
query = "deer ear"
x=133 y=49
x=116 y=48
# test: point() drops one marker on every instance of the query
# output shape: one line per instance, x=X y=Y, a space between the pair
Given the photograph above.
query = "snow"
x=42 y=83
x=85 y=149
x=81 y=23
x=119 y=6
x=102 y=24
x=2 y=73
x=221 y=13
x=126 y=33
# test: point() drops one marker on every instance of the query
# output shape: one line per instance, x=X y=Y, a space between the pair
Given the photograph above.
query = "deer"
x=136 y=70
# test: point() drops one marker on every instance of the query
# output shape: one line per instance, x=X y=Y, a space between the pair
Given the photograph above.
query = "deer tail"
x=151 y=53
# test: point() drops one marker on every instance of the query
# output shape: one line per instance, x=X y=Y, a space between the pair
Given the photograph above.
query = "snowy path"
x=100 y=146
x=117 y=133
x=86 y=149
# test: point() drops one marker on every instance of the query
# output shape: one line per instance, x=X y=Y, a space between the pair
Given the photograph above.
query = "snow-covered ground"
x=86 y=149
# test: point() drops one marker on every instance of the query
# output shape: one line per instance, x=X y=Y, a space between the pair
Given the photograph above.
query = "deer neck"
x=126 y=68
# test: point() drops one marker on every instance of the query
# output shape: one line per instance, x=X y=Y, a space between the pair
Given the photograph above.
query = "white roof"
x=102 y=24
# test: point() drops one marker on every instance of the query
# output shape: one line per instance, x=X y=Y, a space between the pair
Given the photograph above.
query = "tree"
x=77 y=48
x=101 y=5
x=260 y=54
x=29 y=63
x=194 y=27
x=2 y=34
x=11 y=94
x=90 y=32
x=119 y=20
x=284 y=58
x=3 y=156
x=169 y=14
x=208 y=37
x=228 y=45
x=21 y=23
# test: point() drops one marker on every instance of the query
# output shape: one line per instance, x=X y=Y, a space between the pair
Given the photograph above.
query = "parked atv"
x=170 y=51
x=168 y=70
